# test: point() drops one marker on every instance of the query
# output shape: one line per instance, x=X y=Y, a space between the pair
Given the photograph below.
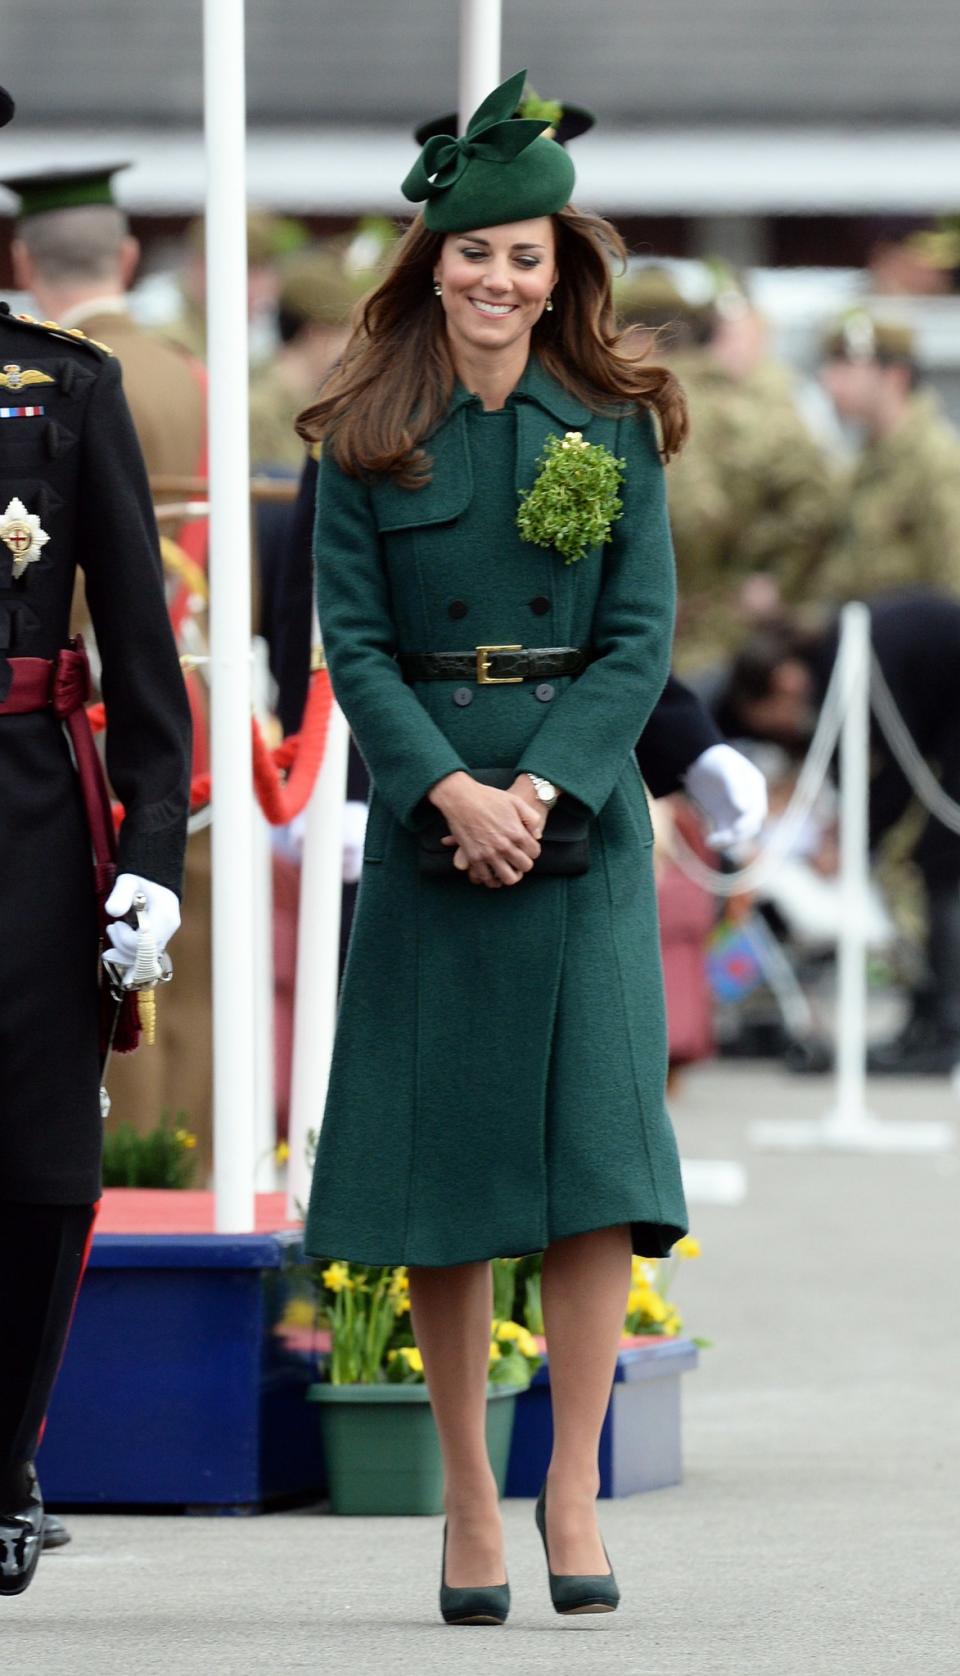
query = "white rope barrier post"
x=480 y=36
x=234 y=1035
x=849 y=1126
x=318 y=957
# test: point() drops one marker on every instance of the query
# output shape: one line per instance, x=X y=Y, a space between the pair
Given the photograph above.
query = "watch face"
x=546 y=792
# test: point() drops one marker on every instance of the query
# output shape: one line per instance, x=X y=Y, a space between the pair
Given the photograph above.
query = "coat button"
x=463 y=696
x=457 y=608
x=544 y=692
x=540 y=605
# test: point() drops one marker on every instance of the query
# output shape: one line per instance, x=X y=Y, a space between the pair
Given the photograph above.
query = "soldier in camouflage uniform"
x=902 y=508
x=752 y=497
x=317 y=296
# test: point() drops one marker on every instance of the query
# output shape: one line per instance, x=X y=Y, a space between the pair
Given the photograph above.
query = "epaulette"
x=72 y=334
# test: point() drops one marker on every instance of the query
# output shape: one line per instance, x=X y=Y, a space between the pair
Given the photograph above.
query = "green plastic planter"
x=381 y=1447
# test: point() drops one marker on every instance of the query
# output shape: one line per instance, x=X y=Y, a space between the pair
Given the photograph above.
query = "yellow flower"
x=300 y=1312
x=337 y=1278
x=282 y=1152
x=402 y=1306
x=399 y=1283
x=413 y=1358
x=187 y=1141
x=511 y=1332
x=495 y=1352
x=644 y=1271
x=687 y=1247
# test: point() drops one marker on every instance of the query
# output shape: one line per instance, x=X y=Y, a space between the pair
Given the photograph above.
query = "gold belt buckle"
x=484 y=678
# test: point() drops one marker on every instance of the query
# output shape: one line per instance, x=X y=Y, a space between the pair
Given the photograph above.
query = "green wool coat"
x=500 y=1061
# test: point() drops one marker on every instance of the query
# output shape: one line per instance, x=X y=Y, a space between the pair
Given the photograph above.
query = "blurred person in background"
x=774 y=692
x=901 y=506
x=752 y=497
x=910 y=256
x=74 y=253
x=317 y=294
x=270 y=238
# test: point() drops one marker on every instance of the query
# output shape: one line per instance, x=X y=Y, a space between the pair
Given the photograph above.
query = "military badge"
x=14 y=377
x=20 y=531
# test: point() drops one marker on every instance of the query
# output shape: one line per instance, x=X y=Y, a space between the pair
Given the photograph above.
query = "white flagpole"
x=480 y=36
x=318 y=957
x=234 y=1034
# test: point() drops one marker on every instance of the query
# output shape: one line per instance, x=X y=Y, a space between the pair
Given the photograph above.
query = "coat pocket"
x=378 y=829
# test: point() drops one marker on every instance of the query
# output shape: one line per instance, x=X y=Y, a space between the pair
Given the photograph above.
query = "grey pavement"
x=816 y=1531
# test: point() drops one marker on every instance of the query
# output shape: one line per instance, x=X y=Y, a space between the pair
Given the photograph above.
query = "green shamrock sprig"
x=574 y=500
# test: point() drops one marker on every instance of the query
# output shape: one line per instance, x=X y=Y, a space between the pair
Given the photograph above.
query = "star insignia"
x=20 y=530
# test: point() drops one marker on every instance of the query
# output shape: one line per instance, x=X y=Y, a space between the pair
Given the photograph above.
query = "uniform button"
x=544 y=692
x=457 y=608
x=463 y=696
x=540 y=605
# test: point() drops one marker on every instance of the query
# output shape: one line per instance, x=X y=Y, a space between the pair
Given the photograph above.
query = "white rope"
x=810 y=782
x=898 y=737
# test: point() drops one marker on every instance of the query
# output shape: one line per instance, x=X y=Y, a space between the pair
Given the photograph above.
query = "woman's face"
x=496 y=281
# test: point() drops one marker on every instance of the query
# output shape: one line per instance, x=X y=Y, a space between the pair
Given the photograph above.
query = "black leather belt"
x=495 y=666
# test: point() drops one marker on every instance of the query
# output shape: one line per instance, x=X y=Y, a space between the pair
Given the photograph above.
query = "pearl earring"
x=548 y=305
x=438 y=288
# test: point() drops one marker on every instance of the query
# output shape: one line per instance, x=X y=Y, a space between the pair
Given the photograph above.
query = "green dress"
x=500 y=1060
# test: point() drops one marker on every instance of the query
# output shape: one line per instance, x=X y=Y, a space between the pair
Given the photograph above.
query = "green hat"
x=55 y=189
x=500 y=170
x=859 y=337
x=566 y=121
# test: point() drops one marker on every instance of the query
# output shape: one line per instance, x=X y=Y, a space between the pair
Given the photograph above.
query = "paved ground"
x=816 y=1533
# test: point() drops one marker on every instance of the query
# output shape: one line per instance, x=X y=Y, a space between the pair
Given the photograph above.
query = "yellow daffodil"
x=495 y=1352
x=644 y=1271
x=399 y=1283
x=507 y=1331
x=402 y=1306
x=282 y=1152
x=187 y=1141
x=337 y=1278
x=687 y=1247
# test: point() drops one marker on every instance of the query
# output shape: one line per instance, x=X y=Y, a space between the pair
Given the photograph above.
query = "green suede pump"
x=489 y=1605
x=571 y=1594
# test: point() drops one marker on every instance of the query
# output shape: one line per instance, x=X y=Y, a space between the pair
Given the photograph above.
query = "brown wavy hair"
x=364 y=414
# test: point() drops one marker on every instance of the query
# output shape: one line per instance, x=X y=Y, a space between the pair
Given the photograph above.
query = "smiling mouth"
x=492 y=311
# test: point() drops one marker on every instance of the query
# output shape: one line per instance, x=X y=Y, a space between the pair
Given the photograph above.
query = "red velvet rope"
x=283 y=776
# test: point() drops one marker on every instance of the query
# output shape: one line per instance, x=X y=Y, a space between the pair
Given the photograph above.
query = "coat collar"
x=537 y=386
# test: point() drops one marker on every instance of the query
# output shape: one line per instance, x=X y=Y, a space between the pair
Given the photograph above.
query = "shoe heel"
x=490 y=1605
x=574 y=1595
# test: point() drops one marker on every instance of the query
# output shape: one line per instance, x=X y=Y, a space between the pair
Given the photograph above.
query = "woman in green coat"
x=498 y=1078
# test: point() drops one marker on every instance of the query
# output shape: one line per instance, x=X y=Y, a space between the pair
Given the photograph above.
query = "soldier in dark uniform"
x=776 y=687
x=73 y=491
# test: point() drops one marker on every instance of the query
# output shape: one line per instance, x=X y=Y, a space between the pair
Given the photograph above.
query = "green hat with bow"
x=501 y=169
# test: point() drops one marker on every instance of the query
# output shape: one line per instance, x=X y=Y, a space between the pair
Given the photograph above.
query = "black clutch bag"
x=564 y=847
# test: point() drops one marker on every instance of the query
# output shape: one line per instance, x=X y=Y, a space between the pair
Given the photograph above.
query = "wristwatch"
x=545 y=790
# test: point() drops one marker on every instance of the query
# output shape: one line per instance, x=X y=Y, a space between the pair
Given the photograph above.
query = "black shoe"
x=935 y=1056
x=572 y=1595
x=55 y=1533
x=21 y=1539
x=481 y=1605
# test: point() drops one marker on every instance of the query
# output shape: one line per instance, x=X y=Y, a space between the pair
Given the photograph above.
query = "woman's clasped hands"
x=495 y=834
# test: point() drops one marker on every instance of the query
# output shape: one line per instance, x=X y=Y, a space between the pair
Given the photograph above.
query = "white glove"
x=163 y=911
x=354 y=834
x=732 y=793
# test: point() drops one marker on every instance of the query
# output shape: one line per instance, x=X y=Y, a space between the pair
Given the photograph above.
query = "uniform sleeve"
x=148 y=717
x=401 y=744
x=591 y=729
x=680 y=729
